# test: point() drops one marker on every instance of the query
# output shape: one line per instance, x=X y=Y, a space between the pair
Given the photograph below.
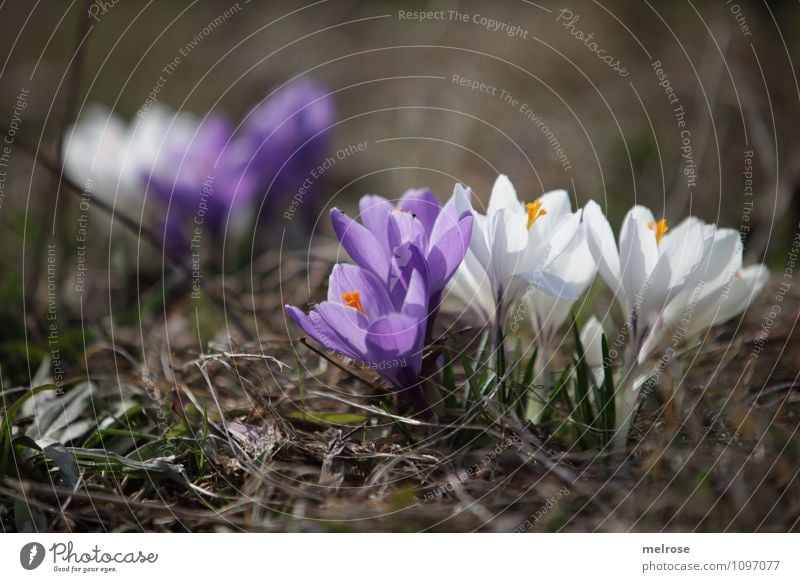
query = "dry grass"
x=268 y=435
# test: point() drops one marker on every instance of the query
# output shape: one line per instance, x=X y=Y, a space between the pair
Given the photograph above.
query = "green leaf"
x=559 y=392
x=608 y=409
x=7 y=416
x=449 y=384
x=332 y=418
x=583 y=408
x=58 y=454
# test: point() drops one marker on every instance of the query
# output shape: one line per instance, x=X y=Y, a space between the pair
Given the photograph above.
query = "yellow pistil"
x=353 y=299
x=660 y=229
x=400 y=209
x=535 y=211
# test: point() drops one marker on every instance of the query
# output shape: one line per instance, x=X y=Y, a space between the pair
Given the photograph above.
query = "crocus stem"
x=499 y=348
x=539 y=390
x=626 y=405
x=433 y=311
x=626 y=399
x=416 y=395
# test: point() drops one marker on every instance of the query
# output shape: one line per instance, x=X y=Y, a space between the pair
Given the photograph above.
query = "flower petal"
x=361 y=245
x=317 y=329
x=509 y=239
x=374 y=297
x=422 y=204
x=448 y=252
x=638 y=255
x=404 y=227
x=344 y=328
x=547 y=283
x=503 y=196
x=600 y=239
x=556 y=202
x=394 y=347
x=746 y=287
x=375 y=211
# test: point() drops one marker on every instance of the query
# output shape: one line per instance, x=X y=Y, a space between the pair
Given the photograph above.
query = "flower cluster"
x=383 y=308
x=528 y=260
x=201 y=170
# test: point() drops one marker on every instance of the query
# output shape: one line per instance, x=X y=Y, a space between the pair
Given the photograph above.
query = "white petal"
x=556 y=202
x=600 y=240
x=577 y=267
x=591 y=340
x=746 y=286
x=638 y=255
x=503 y=196
x=509 y=238
x=547 y=283
x=471 y=285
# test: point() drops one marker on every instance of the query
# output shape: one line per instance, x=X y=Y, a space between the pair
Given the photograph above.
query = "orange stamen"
x=660 y=229
x=535 y=211
x=353 y=299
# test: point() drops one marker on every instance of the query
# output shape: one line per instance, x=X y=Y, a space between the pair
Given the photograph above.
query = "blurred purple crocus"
x=288 y=134
x=442 y=234
x=363 y=321
x=201 y=176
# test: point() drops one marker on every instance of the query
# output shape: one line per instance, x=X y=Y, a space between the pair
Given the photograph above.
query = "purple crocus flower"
x=288 y=133
x=442 y=234
x=201 y=175
x=363 y=321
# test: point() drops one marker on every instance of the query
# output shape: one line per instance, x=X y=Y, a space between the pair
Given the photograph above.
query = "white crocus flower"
x=672 y=285
x=111 y=158
x=95 y=155
x=513 y=247
x=591 y=339
x=718 y=290
x=651 y=265
x=576 y=267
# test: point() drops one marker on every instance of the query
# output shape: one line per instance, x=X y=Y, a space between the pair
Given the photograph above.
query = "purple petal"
x=344 y=328
x=318 y=330
x=374 y=297
x=415 y=274
x=448 y=252
x=404 y=227
x=422 y=204
x=407 y=260
x=375 y=211
x=361 y=245
x=394 y=348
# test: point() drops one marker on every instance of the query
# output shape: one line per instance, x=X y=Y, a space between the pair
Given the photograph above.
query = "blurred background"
x=686 y=107
x=689 y=107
